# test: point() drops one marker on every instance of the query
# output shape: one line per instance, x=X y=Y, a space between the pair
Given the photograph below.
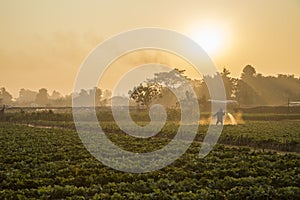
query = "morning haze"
x=43 y=43
x=150 y=126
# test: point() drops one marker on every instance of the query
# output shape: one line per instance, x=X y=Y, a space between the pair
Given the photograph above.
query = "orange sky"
x=44 y=42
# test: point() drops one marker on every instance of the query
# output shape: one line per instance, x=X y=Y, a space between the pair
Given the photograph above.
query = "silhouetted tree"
x=160 y=86
x=98 y=95
x=83 y=93
x=106 y=94
x=5 y=96
x=171 y=79
x=229 y=83
x=42 y=97
x=248 y=72
x=145 y=93
x=26 y=96
x=55 y=95
x=246 y=92
x=89 y=97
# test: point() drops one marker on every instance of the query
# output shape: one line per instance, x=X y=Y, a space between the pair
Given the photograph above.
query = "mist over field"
x=194 y=99
x=251 y=89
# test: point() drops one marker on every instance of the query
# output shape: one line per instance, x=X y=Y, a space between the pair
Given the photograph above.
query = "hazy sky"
x=44 y=42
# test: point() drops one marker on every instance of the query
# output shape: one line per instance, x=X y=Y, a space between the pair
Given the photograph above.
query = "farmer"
x=220 y=114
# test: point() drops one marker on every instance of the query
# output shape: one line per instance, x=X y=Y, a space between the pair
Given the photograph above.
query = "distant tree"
x=84 y=98
x=229 y=83
x=98 y=94
x=106 y=94
x=259 y=75
x=26 y=96
x=245 y=94
x=248 y=71
x=67 y=100
x=83 y=93
x=246 y=91
x=160 y=86
x=145 y=93
x=5 y=96
x=171 y=79
x=89 y=97
x=55 y=95
x=42 y=97
x=203 y=102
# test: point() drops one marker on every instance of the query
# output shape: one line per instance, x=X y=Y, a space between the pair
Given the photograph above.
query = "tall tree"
x=98 y=95
x=55 y=95
x=26 y=96
x=248 y=72
x=106 y=94
x=246 y=93
x=229 y=83
x=5 y=96
x=160 y=86
x=42 y=97
x=171 y=79
x=145 y=93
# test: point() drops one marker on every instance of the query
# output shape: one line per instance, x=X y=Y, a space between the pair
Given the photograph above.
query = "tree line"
x=250 y=89
x=42 y=97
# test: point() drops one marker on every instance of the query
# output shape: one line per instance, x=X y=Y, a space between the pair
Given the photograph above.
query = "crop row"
x=53 y=164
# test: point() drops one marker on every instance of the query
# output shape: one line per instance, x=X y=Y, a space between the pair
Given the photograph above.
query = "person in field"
x=220 y=114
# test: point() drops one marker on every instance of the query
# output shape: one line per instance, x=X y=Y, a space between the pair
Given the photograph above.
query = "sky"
x=44 y=42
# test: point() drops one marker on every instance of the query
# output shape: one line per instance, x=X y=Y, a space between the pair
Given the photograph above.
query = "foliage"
x=145 y=93
x=265 y=131
x=53 y=164
x=160 y=86
x=42 y=97
x=256 y=89
x=229 y=83
x=172 y=79
x=5 y=96
x=251 y=89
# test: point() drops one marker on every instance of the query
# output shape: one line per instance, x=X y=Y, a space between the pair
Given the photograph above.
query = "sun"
x=210 y=38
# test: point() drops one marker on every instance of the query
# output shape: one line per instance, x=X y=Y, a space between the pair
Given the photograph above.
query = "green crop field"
x=253 y=160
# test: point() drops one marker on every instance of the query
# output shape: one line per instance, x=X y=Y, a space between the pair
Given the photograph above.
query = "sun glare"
x=211 y=39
